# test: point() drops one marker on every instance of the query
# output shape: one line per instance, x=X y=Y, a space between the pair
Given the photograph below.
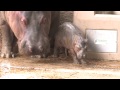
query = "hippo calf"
x=70 y=37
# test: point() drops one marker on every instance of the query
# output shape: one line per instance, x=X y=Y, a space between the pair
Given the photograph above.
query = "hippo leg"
x=45 y=55
x=54 y=28
x=56 y=52
x=83 y=62
x=66 y=52
x=7 y=39
x=75 y=60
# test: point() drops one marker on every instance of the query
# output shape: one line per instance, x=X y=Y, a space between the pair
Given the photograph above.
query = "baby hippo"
x=71 y=38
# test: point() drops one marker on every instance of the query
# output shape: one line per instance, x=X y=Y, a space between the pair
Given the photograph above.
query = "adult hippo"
x=33 y=30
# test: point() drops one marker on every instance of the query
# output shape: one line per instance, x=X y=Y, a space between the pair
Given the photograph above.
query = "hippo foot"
x=36 y=56
x=83 y=62
x=7 y=55
x=55 y=56
x=76 y=62
x=44 y=56
x=39 y=56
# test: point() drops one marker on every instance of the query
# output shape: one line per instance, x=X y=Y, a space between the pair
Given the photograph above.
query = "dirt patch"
x=58 y=68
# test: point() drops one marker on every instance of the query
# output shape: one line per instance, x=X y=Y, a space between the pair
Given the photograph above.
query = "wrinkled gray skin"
x=71 y=38
x=31 y=30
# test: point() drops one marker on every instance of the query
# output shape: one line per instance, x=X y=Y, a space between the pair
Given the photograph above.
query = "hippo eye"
x=24 y=22
x=43 y=20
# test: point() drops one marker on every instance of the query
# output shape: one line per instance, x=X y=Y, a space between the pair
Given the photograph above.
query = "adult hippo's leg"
x=55 y=20
x=7 y=40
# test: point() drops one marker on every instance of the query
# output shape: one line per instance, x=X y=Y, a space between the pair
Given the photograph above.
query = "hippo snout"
x=25 y=50
x=80 y=54
x=28 y=49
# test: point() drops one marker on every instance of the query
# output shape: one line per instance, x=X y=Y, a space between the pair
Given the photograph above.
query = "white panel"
x=102 y=40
